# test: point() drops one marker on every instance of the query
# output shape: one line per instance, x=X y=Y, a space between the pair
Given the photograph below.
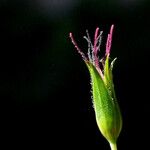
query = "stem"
x=113 y=146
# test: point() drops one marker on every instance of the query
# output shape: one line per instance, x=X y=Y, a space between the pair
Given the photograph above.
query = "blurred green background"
x=45 y=86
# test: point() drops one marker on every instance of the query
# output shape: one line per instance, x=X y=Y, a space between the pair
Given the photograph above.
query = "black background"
x=45 y=97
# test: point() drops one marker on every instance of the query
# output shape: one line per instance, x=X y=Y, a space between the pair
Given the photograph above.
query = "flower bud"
x=107 y=111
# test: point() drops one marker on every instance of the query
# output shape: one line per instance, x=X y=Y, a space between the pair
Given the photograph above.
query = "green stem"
x=113 y=146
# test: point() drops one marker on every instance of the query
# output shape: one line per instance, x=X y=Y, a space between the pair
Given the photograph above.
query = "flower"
x=107 y=111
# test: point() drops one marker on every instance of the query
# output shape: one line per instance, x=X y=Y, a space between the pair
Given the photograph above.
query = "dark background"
x=45 y=97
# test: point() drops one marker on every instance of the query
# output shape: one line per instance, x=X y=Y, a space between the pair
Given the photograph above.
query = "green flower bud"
x=107 y=112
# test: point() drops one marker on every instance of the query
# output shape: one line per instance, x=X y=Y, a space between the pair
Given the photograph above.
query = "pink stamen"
x=107 y=44
x=77 y=47
x=95 y=50
x=109 y=41
x=95 y=41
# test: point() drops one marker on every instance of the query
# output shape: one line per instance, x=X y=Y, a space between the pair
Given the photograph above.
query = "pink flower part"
x=94 y=49
x=77 y=47
x=109 y=41
x=96 y=41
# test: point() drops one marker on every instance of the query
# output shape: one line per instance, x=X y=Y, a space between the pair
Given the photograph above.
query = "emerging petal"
x=109 y=40
x=76 y=46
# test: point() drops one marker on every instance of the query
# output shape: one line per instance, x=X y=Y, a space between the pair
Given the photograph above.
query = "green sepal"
x=108 y=116
x=108 y=77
